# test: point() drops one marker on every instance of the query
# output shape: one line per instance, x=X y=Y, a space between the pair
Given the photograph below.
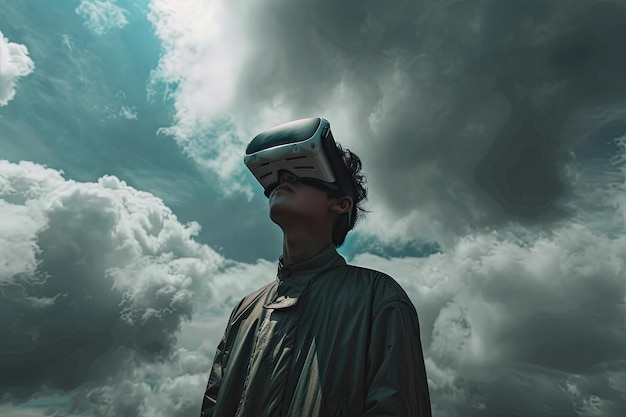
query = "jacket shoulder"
x=256 y=294
x=250 y=300
x=384 y=288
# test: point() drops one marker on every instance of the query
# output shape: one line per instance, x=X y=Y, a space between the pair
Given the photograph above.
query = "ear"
x=341 y=205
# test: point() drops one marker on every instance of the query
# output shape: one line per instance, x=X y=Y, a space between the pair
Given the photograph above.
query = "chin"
x=281 y=213
x=275 y=213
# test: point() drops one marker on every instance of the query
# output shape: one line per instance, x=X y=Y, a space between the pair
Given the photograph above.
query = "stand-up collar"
x=322 y=260
x=293 y=278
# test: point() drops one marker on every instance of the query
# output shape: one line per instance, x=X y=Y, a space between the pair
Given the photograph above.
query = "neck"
x=300 y=245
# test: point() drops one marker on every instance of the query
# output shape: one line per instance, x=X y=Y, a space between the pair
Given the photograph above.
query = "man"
x=325 y=338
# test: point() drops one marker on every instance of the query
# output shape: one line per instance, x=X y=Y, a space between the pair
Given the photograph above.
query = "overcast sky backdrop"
x=492 y=133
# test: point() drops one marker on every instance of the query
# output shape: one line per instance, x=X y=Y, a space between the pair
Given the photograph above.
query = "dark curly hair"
x=352 y=165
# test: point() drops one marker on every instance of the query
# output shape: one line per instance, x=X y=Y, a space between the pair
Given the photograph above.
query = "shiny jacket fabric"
x=324 y=339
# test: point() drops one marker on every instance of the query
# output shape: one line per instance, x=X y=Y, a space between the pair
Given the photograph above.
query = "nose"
x=287 y=176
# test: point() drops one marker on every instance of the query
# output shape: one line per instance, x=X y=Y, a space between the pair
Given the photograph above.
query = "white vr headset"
x=304 y=147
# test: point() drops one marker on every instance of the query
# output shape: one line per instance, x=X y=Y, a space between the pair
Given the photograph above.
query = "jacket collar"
x=293 y=278
x=325 y=258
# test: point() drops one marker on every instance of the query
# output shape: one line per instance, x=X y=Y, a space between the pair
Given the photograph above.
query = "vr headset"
x=304 y=147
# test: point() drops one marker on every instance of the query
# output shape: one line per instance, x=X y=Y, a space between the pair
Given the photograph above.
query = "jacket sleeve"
x=396 y=374
x=215 y=380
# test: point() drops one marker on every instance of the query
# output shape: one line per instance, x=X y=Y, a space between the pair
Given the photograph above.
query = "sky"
x=493 y=139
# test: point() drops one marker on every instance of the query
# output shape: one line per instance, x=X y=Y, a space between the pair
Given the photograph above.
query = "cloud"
x=128 y=113
x=531 y=326
x=96 y=278
x=465 y=114
x=8 y=411
x=106 y=297
x=102 y=16
x=203 y=50
x=482 y=126
x=168 y=389
x=174 y=387
x=511 y=323
x=230 y=284
x=14 y=64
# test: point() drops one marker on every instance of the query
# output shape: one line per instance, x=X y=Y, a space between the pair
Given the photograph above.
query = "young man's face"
x=293 y=201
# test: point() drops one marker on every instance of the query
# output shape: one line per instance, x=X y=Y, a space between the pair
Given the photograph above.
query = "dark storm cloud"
x=486 y=126
x=457 y=107
x=96 y=278
x=467 y=114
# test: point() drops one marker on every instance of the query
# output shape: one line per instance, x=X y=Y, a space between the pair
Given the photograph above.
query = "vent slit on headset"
x=265 y=175
x=295 y=157
x=264 y=164
x=304 y=167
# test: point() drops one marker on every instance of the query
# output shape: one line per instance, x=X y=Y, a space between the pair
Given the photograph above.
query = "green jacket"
x=324 y=339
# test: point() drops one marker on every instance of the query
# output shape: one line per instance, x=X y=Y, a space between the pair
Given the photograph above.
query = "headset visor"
x=305 y=147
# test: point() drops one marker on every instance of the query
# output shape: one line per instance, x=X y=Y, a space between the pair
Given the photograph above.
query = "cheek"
x=314 y=199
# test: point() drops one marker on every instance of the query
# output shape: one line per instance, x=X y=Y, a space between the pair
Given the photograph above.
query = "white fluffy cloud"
x=14 y=64
x=92 y=276
x=128 y=113
x=101 y=15
x=99 y=285
x=203 y=50
x=230 y=284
